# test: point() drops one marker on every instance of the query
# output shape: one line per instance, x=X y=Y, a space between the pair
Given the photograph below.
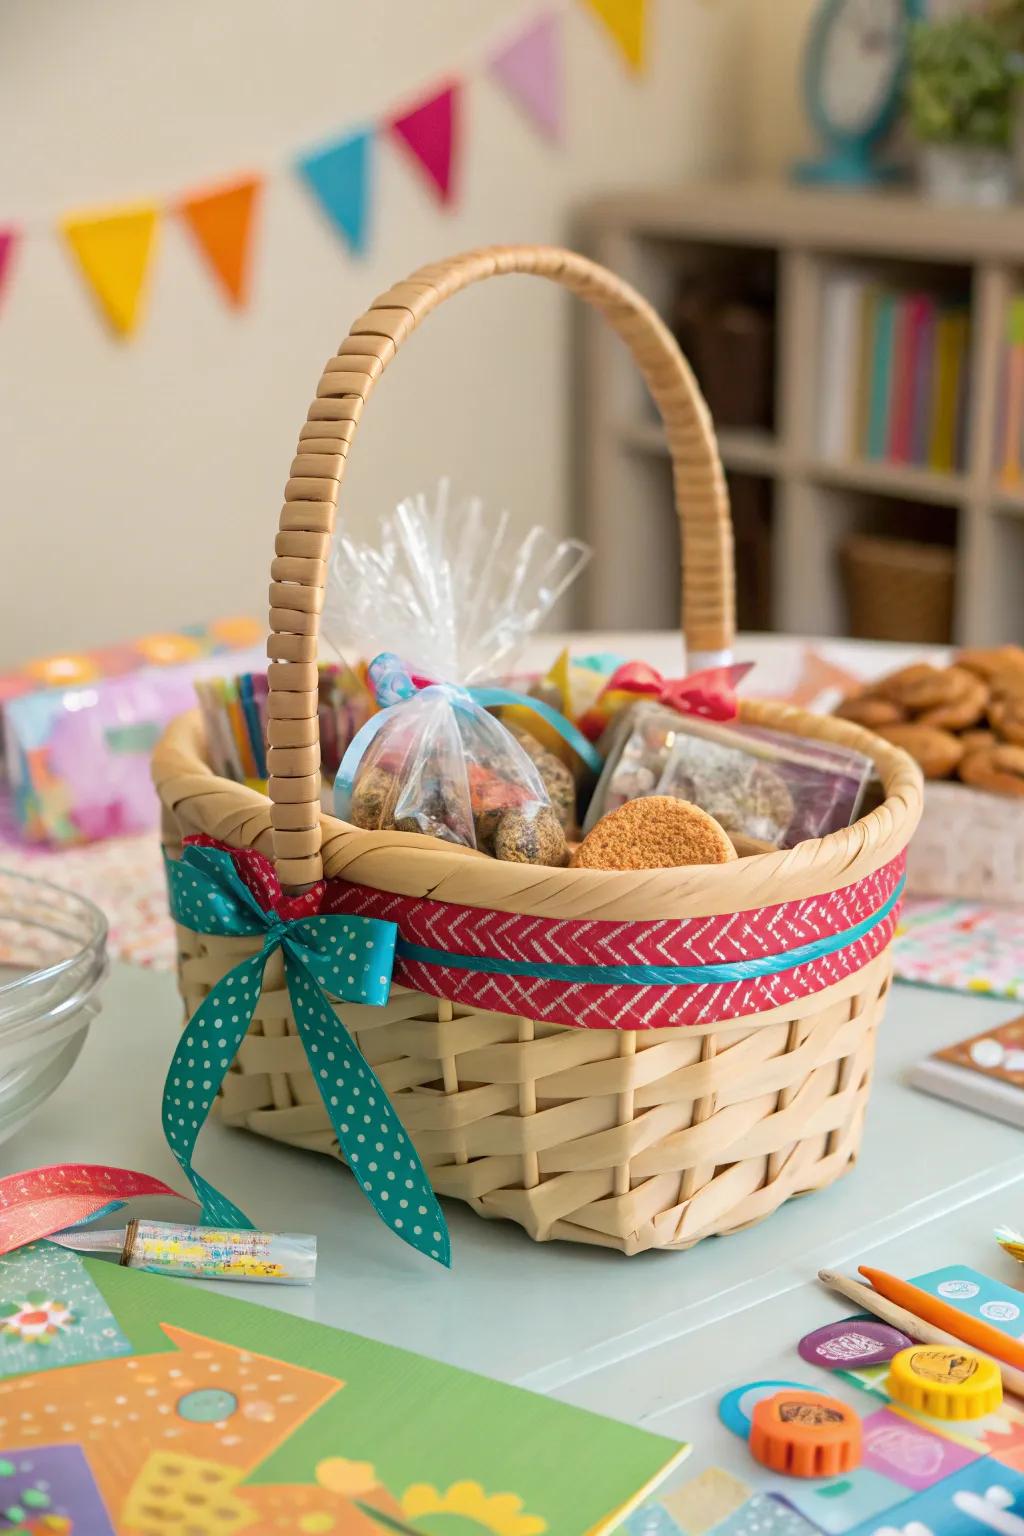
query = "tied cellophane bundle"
x=444 y=602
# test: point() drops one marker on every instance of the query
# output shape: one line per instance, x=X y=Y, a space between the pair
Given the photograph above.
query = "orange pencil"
x=970 y=1330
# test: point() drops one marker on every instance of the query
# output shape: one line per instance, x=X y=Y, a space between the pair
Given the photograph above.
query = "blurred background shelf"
x=747 y=276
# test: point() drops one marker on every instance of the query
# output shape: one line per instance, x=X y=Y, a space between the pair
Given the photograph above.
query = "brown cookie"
x=937 y=752
x=869 y=710
x=657 y=832
x=1006 y=715
x=919 y=686
x=531 y=836
x=978 y=741
x=997 y=769
x=997 y=663
x=966 y=706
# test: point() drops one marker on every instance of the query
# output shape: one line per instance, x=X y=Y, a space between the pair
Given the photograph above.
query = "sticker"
x=736 y=1406
x=51 y=1488
x=705 y=1501
x=977 y=1295
x=764 y=1515
x=856 y=1342
x=981 y=1495
x=841 y=1503
x=958 y=1289
x=51 y=1313
x=905 y=1450
x=943 y=1366
x=1000 y=1311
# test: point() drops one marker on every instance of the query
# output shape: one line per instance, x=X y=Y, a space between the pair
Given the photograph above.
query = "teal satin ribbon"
x=658 y=975
x=325 y=957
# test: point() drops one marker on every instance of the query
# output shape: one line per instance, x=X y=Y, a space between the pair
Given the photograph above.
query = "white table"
x=628 y=1336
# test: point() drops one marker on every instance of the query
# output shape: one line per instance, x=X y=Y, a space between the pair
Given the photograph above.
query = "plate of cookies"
x=964 y=725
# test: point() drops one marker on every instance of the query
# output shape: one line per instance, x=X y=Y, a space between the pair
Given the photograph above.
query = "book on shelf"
x=1008 y=449
x=894 y=373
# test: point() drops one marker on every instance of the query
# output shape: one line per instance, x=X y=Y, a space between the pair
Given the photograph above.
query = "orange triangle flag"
x=625 y=20
x=114 y=249
x=222 y=221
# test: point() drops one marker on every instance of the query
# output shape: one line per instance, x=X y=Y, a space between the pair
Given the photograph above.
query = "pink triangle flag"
x=531 y=68
x=430 y=132
x=8 y=240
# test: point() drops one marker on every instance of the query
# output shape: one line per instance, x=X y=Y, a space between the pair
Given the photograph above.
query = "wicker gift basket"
x=619 y=1113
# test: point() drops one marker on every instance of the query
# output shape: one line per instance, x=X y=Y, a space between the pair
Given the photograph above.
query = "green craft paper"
x=414 y=1419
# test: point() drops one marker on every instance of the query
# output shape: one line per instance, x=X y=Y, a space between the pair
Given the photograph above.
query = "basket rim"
x=408 y=864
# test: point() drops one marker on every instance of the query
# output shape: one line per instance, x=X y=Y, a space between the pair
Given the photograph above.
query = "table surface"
x=654 y=1339
x=642 y=1338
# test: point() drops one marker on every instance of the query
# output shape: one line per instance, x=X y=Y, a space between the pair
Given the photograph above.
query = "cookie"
x=919 y=686
x=937 y=752
x=995 y=664
x=373 y=800
x=869 y=710
x=978 y=740
x=556 y=777
x=963 y=708
x=999 y=769
x=1006 y=715
x=531 y=836
x=658 y=832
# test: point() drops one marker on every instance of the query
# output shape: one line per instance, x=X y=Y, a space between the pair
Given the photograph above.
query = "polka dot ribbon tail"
x=325 y=957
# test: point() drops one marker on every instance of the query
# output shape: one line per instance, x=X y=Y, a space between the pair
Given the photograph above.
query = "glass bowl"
x=53 y=958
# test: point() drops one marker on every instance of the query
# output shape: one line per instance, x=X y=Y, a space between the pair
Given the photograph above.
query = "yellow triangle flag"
x=114 y=249
x=625 y=21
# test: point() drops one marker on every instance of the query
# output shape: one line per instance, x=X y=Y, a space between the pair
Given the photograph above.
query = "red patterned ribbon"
x=40 y=1201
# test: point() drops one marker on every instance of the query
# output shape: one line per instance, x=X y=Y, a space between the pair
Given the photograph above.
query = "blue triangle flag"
x=339 y=175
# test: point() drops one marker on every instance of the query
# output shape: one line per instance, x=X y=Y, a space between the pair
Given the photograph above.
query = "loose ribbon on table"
x=393 y=685
x=710 y=694
x=325 y=957
x=40 y=1201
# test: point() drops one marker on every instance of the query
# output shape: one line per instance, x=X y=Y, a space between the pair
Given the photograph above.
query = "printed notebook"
x=985 y=1073
x=134 y=1405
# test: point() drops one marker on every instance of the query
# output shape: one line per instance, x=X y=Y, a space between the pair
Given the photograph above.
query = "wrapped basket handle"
x=311 y=498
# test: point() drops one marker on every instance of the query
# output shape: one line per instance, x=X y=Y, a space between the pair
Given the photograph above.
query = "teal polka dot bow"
x=348 y=958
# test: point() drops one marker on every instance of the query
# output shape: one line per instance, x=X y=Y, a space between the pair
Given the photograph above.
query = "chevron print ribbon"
x=325 y=956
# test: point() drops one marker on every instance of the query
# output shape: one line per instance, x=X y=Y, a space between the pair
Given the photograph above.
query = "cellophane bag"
x=444 y=602
x=757 y=783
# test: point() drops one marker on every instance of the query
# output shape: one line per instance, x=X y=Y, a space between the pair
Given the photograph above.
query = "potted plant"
x=960 y=91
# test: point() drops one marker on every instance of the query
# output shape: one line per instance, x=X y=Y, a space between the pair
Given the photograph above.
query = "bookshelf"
x=800 y=505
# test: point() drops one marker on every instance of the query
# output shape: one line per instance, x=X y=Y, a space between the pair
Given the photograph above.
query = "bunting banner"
x=221 y=221
x=339 y=177
x=429 y=131
x=8 y=241
x=114 y=250
x=626 y=20
x=531 y=68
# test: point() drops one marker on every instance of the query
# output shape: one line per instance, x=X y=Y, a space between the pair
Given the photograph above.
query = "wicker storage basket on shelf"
x=615 y=1133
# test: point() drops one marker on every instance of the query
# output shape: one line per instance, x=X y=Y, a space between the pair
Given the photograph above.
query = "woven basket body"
x=576 y=1118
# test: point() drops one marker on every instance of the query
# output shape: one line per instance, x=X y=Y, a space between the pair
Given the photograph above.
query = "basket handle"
x=311 y=497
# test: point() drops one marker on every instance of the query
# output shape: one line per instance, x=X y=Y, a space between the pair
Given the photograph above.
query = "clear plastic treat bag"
x=444 y=604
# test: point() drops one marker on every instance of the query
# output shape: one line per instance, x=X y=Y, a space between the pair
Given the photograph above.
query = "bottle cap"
x=805 y=1434
x=945 y=1383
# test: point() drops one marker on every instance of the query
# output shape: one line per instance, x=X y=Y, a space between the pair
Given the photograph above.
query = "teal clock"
x=853 y=79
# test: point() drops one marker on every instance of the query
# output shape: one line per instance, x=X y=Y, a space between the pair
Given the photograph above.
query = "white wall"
x=140 y=482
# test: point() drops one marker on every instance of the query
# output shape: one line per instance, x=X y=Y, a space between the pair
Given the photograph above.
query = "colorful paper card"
x=977 y=1296
x=964 y=946
x=228 y=1416
x=51 y=1313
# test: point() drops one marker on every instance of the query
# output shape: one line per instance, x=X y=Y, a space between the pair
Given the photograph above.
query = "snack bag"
x=454 y=598
x=757 y=783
